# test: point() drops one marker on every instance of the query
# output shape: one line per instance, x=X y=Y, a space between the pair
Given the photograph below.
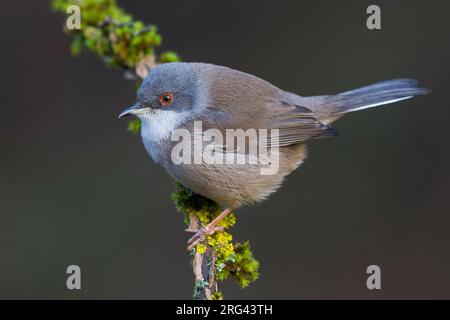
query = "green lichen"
x=134 y=126
x=233 y=260
x=198 y=288
x=168 y=56
x=216 y=296
x=111 y=34
x=244 y=268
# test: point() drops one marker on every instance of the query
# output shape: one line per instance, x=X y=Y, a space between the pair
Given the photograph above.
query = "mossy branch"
x=122 y=42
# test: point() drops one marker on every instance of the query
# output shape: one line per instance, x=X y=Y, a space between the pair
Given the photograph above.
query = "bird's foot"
x=200 y=235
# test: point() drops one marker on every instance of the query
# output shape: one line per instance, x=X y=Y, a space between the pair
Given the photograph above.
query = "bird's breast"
x=157 y=129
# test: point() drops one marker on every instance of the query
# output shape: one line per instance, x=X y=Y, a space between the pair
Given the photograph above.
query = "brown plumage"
x=223 y=98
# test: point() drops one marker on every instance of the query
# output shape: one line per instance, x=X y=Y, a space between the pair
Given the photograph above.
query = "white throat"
x=159 y=125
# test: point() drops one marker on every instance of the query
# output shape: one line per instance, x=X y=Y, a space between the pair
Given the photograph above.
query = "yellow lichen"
x=201 y=248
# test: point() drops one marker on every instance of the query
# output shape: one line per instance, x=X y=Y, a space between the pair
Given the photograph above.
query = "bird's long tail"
x=373 y=95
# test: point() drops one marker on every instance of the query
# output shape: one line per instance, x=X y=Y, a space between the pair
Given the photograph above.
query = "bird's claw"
x=200 y=235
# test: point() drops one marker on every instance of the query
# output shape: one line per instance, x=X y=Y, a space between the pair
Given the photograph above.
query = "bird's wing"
x=295 y=124
x=298 y=124
x=241 y=101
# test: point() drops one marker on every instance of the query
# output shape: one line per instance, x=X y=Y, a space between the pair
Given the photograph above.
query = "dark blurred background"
x=77 y=188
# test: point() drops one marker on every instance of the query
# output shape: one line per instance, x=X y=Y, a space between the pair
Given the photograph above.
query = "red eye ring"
x=166 y=99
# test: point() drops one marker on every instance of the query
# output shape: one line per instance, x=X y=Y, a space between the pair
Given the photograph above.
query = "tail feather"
x=374 y=95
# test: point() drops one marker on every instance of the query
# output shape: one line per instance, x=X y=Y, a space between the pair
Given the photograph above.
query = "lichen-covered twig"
x=230 y=259
x=203 y=265
x=112 y=34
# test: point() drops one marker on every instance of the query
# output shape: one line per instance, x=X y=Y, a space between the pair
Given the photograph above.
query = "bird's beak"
x=130 y=110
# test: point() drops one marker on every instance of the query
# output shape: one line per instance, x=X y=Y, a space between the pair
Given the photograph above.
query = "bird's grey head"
x=169 y=88
x=169 y=97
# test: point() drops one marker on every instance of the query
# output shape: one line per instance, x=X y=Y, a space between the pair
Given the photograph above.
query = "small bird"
x=175 y=95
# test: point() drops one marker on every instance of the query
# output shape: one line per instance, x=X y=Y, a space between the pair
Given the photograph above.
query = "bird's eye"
x=166 y=99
